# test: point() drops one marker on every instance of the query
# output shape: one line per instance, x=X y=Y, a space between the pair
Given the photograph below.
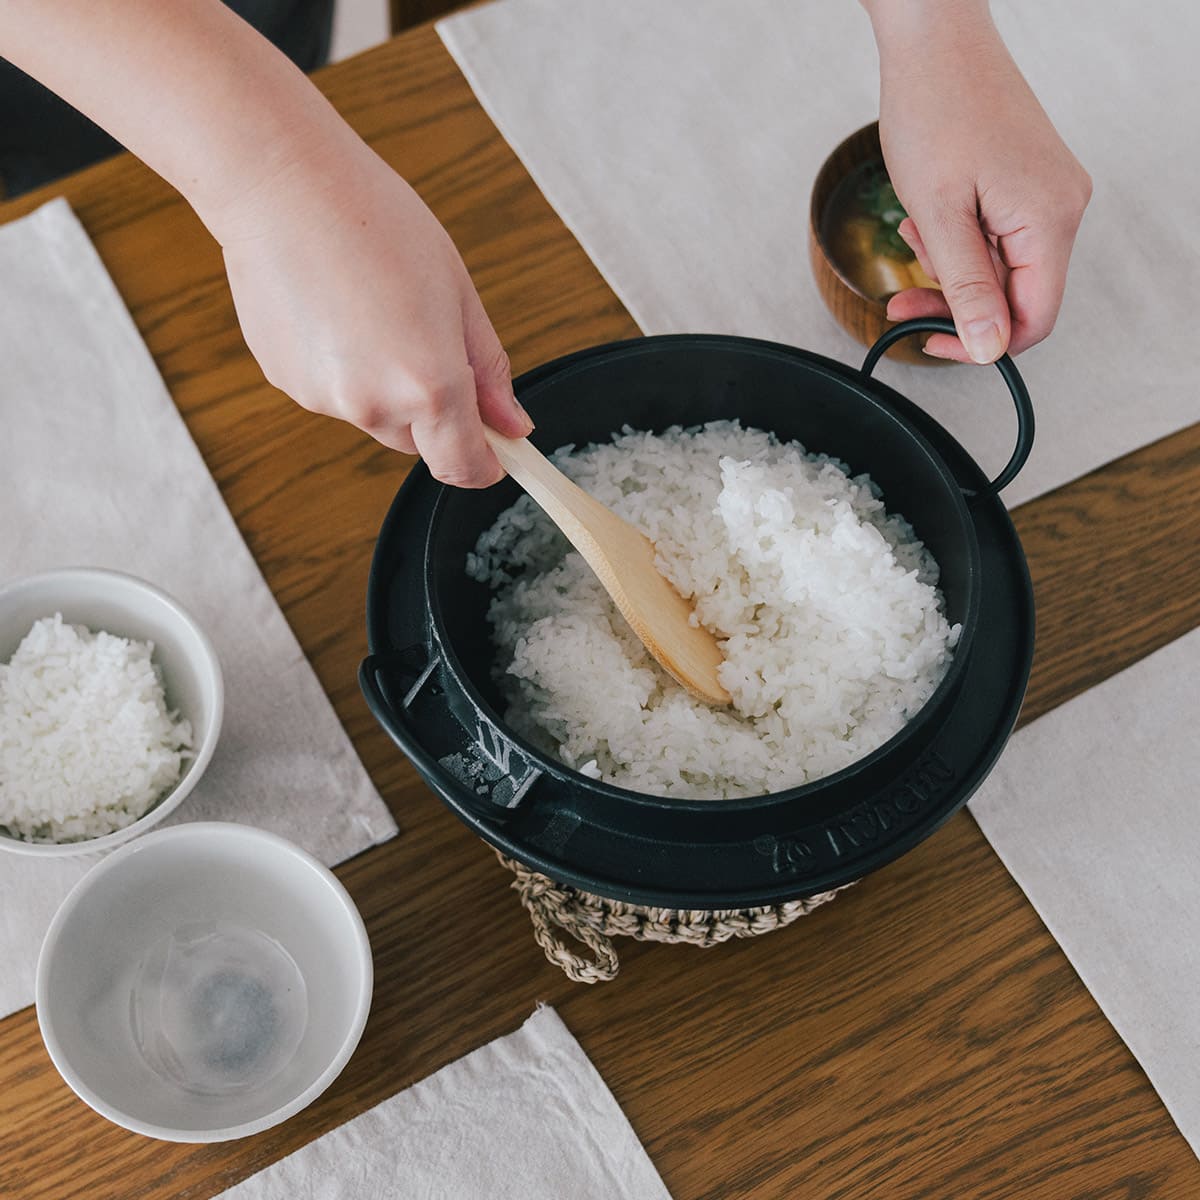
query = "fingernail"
x=528 y=419
x=982 y=340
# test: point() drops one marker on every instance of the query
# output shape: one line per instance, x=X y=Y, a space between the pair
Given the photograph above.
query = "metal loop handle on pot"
x=1007 y=368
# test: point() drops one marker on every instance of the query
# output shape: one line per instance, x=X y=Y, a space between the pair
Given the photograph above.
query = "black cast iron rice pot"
x=428 y=678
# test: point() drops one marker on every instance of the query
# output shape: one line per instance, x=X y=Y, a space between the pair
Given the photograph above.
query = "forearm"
x=189 y=87
x=907 y=30
x=349 y=293
x=904 y=24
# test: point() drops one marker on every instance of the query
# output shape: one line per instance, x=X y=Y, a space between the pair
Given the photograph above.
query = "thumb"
x=493 y=376
x=962 y=261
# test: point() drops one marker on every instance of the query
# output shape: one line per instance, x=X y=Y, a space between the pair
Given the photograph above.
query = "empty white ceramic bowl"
x=204 y=982
x=132 y=608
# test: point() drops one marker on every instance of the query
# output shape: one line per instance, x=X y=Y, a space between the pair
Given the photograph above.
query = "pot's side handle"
x=487 y=774
x=1007 y=369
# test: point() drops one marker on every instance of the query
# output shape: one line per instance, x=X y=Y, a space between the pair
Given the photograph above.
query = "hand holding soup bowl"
x=859 y=259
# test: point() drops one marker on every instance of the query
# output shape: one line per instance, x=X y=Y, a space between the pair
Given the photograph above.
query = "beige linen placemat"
x=679 y=140
x=98 y=469
x=526 y=1117
x=1094 y=810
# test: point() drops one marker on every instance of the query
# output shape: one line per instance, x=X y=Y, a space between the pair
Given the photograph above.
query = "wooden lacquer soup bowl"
x=862 y=315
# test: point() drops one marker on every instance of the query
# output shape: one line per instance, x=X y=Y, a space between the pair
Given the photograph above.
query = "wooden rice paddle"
x=623 y=559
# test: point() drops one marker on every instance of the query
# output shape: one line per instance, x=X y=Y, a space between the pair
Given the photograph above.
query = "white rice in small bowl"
x=110 y=706
x=827 y=608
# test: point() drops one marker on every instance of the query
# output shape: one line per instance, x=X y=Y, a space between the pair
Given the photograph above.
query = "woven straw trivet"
x=557 y=908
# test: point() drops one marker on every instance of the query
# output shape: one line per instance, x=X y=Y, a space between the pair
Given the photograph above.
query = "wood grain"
x=921 y=1037
x=405 y=14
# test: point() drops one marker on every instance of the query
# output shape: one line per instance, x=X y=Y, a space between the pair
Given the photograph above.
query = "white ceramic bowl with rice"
x=111 y=701
x=204 y=982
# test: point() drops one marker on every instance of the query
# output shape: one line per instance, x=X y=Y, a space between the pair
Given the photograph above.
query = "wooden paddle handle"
x=623 y=559
x=518 y=456
x=564 y=501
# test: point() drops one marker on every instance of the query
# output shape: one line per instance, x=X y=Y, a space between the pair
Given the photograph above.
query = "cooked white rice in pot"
x=827 y=607
x=87 y=745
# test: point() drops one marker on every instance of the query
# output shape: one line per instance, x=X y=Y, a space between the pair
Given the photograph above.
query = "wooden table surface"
x=922 y=1036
